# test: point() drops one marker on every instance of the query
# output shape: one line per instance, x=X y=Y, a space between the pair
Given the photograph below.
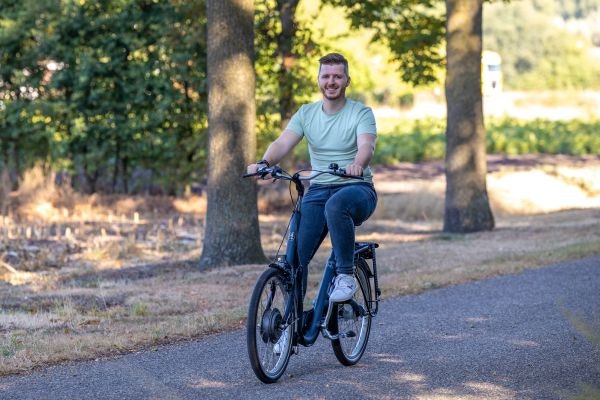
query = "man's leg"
x=313 y=228
x=348 y=207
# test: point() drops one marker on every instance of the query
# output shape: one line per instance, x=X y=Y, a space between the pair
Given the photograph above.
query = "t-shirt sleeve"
x=296 y=123
x=366 y=122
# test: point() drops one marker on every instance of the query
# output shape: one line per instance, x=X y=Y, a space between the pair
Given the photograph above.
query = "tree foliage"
x=412 y=29
x=23 y=132
x=424 y=139
x=570 y=8
x=537 y=53
x=284 y=51
x=109 y=90
x=113 y=93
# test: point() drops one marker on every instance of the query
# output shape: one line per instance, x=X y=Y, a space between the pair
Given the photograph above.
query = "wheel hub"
x=269 y=326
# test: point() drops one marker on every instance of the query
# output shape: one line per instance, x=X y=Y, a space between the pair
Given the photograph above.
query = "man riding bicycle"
x=341 y=131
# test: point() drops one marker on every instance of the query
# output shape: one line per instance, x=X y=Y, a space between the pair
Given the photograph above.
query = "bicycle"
x=277 y=324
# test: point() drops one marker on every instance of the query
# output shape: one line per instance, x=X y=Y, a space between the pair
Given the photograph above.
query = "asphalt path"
x=503 y=338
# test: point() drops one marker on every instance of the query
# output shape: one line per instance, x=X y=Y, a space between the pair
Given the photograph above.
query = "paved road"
x=503 y=338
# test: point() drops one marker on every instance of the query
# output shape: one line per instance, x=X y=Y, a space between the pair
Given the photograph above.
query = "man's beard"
x=340 y=93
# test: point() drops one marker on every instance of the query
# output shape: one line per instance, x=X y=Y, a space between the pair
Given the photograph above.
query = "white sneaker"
x=344 y=287
x=280 y=345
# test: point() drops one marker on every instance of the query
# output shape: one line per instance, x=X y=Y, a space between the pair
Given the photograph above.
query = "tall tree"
x=467 y=206
x=232 y=234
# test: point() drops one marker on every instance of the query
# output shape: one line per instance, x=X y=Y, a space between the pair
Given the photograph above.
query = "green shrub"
x=542 y=136
x=415 y=141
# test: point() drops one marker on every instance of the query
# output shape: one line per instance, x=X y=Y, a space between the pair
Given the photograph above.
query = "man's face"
x=333 y=81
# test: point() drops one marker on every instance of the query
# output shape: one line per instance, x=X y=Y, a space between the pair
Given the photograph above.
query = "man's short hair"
x=333 y=59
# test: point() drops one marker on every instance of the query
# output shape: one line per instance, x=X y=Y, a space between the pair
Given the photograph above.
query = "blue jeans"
x=336 y=209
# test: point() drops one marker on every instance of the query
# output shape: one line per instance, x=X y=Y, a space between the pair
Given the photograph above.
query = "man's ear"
x=348 y=83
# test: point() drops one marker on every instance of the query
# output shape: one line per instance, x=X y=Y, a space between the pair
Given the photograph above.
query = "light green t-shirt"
x=332 y=138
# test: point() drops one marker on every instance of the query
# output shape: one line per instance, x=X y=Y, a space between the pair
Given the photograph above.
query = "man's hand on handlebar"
x=252 y=169
x=354 y=170
x=257 y=169
x=262 y=170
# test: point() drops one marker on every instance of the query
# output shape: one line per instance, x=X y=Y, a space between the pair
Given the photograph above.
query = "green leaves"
x=538 y=54
x=425 y=140
x=122 y=83
x=115 y=79
x=413 y=30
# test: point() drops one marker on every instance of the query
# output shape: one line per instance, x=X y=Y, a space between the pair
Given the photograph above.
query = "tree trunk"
x=232 y=233
x=467 y=207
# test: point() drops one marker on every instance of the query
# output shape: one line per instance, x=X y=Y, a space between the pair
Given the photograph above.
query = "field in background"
x=84 y=277
x=517 y=185
x=549 y=105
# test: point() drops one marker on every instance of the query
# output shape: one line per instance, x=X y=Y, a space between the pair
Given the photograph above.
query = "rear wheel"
x=351 y=320
x=269 y=340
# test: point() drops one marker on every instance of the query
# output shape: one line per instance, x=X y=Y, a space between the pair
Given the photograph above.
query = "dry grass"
x=87 y=277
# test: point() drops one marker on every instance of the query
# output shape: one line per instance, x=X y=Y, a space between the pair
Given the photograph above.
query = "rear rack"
x=366 y=250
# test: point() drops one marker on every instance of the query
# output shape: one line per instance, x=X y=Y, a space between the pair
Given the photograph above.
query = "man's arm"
x=281 y=146
x=366 y=149
x=278 y=149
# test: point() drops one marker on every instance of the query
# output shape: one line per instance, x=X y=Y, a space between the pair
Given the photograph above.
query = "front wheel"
x=352 y=321
x=269 y=338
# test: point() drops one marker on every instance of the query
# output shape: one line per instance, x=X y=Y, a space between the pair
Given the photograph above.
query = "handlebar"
x=276 y=172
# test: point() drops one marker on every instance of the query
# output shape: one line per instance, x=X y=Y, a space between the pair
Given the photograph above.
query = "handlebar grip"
x=362 y=178
x=248 y=175
x=342 y=172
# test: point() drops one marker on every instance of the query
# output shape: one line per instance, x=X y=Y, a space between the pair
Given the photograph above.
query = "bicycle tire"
x=264 y=326
x=347 y=322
